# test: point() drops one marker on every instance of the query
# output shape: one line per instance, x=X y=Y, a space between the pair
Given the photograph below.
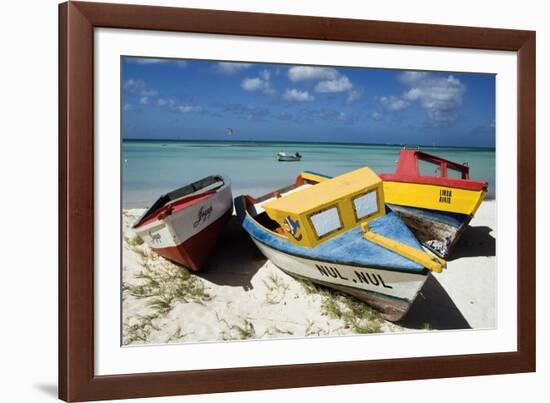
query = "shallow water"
x=152 y=168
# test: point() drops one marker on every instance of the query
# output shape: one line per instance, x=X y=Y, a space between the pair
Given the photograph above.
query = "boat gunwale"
x=149 y=214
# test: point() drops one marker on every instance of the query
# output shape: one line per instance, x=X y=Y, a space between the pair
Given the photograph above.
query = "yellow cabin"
x=316 y=213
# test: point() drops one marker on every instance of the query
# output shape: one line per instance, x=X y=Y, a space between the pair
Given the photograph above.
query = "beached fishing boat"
x=184 y=225
x=336 y=232
x=435 y=198
x=288 y=157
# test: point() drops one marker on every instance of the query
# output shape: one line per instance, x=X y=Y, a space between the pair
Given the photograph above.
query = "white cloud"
x=394 y=104
x=328 y=80
x=148 y=96
x=253 y=84
x=376 y=115
x=147 y=60
x=232 y=68
x=439 y=96
x=139 y=88
x=353 y=95
x=128 y=107
x=298 y=96
x=412 y=77
x=261 y=83
x=340 y=84
x=265 y=75
x=173 y=106
x=186 y=108
x=153 y=60
x=303 y=73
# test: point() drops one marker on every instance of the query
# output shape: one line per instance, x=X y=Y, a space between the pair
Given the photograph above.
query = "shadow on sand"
x=475 y=241
x=235 y=260
x=434 y=308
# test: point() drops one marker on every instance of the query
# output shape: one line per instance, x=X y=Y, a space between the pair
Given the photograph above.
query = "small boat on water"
x=288 y=157
x=435 y=197
x=336 y=232
x=184 y=225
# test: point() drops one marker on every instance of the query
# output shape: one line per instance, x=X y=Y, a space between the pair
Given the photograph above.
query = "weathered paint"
x=338 y=192
x=348 y=262
x=195 y=251
x=436 y=230
x=187 y=235
x=433 y=197
x=425 y=259
x=390 y=292
x=349 y=248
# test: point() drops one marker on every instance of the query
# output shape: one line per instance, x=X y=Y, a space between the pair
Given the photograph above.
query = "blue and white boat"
x=336 y=232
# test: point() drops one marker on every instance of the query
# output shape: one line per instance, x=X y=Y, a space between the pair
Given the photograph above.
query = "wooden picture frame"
x=77 y=21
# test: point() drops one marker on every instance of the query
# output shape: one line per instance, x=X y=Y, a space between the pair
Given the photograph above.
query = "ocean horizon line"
x=167 y=140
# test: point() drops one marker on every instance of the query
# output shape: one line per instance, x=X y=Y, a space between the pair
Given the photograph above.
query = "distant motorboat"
x=288 y=157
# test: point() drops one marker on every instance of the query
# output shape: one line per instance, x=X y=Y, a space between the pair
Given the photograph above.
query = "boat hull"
x=288 y=159
x=187 y=237
x=389 y=291
x=433 y=197
x=436 y=230
x=194 y=252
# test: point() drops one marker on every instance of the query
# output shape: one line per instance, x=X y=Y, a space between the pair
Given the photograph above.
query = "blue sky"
x=195 y=99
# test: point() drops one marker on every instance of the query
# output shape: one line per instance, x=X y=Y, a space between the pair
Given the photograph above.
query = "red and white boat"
x=184 y=225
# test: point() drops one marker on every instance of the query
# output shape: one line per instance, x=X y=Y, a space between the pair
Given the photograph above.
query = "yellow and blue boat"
x=435 y=197
x=337 y=232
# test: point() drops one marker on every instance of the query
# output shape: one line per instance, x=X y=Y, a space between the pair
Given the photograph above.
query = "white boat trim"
x=389 y=283
x=183 y=224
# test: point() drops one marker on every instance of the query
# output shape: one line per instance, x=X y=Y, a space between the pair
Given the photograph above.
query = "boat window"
x=454 y=173
x=365 y=205
x=326 y=221
x=428 y=168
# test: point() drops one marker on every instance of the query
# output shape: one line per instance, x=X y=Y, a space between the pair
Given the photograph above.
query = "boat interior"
x=204 y=185
x=257 y=212
x=260 y=215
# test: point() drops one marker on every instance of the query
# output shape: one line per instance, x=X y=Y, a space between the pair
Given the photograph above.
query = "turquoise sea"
x=152 y=168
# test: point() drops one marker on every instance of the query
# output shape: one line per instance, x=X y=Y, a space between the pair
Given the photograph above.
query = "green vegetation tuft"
x=356 y=315
x=176 y=336
x=276 y=289
x=240 y=331
x=134 y=241
x=162 y=288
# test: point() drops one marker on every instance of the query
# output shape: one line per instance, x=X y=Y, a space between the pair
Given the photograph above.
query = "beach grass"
x=242 y=330
x=355 y=314
x=244 y=299
x=276 y=289
x=161 y=285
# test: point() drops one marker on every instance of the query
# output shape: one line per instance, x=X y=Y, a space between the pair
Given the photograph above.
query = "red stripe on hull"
x=194 y=252
x=467 y=184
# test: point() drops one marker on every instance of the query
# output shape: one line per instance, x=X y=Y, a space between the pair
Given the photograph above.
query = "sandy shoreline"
x=241 y=295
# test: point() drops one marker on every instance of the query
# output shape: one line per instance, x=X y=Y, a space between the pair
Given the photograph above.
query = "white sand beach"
x=241 y=295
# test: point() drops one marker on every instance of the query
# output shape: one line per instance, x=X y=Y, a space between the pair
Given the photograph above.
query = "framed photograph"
x=255 y=201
